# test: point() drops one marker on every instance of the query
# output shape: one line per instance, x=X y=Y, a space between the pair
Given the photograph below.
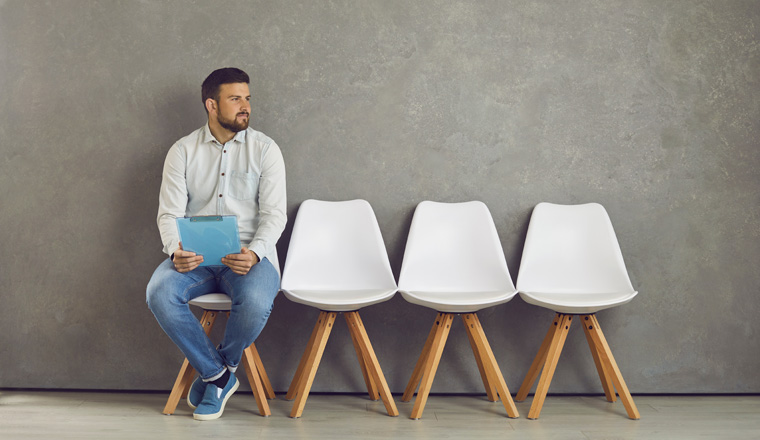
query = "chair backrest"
x=453 y=247
x=336 y=245
x=572 y=249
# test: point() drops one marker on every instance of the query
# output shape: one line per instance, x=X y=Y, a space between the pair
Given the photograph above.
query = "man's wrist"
x=256 y=258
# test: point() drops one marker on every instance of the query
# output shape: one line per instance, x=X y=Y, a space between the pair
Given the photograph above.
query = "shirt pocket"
x=243 y=186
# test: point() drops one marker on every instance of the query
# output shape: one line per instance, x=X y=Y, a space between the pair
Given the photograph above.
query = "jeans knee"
x=160 y=300
x=255 y=308
x=154 y=299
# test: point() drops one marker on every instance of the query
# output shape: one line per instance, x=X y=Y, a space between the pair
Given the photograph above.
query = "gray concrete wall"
x=647 y=107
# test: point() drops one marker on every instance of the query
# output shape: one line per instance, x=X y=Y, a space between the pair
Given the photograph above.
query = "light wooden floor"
x=89 y=415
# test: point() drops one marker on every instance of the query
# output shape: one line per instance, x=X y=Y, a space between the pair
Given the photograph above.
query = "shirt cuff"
x=171 y=247
x=258 y=249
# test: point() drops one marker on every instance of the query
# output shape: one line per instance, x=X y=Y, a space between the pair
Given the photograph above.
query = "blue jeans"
x=252 y=297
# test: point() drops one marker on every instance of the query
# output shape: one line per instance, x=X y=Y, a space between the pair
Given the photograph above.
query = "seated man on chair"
x=223 y=168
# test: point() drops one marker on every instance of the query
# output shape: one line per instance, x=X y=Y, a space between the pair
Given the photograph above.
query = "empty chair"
x=337 y=263
x=454 y=264
x=572 y=264
x=213 y=304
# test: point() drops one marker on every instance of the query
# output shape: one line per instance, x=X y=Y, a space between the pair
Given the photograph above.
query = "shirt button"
x=220 y=195
x=222 y=174
x=225 y=151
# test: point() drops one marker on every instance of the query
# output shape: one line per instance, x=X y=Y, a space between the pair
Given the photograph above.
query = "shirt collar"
x=208 y=137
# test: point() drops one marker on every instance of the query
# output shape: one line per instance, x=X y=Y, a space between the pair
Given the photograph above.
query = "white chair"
x=213 y=304
x=454 y=264
x=337 y=263
x=572 y=264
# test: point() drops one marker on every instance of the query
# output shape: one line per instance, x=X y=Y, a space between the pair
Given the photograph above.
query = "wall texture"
x=651 y=108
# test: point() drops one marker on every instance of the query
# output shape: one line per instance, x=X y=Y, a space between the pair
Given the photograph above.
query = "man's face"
x=233 y=107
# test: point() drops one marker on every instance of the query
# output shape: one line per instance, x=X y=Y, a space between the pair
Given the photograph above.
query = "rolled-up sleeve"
x=272 y=202
x=172 y=200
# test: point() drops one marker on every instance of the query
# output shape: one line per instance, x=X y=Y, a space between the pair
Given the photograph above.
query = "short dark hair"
x=226 y=75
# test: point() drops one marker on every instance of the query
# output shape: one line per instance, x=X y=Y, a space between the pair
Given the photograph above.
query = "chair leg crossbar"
x=427 y=364
x=547 y=358
x=300 y=386
x=254 y=368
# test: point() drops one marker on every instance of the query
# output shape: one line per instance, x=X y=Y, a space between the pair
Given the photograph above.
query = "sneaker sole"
x=216 y=415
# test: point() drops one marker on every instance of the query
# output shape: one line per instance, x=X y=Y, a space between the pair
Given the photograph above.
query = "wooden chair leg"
x=254 y=379
x=488 y=361
x=325 y=322
x=186 y=372
x=609 y=390
x=538 y=362
x=443 y=324
x=268 y=390
x=181 y=384
x=491 y=391
x=371 y=387
x=411 y=387
x=291 y=394
x=610 y=365
x=367 y=356
x=552 y=357
x=259 y=368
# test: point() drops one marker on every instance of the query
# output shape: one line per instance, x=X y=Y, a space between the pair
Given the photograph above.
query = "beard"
x=233 y=125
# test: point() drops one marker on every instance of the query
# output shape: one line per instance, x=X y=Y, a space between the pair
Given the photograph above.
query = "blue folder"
x=213 y=236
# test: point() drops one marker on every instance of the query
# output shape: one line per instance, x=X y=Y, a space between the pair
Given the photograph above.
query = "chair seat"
x=577 y=303
x=458 y=301
x=212 y=301
x=339 y=300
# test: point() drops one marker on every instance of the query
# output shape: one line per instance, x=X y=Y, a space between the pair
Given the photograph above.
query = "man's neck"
x=221 y=134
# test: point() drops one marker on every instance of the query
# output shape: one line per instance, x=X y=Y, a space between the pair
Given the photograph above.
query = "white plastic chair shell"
x=454 y=261
x=572 y=262
x=337 y=259
x=213 y=301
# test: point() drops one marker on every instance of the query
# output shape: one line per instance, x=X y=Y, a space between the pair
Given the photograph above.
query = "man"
x=223 y=168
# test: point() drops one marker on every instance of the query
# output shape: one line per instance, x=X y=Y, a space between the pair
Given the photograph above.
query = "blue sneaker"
x=214 y=399
x=195 y=395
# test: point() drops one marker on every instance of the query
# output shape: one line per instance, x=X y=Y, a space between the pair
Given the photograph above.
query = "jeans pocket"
x=243 y=186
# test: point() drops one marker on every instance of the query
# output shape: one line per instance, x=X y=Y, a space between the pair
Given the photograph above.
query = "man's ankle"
x=221 y=382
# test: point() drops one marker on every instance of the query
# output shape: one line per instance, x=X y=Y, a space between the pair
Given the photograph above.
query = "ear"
x=210 y=105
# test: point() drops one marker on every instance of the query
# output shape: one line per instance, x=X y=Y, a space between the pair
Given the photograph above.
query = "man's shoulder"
x=193 y=137
x=252 y=135
x=188 y=142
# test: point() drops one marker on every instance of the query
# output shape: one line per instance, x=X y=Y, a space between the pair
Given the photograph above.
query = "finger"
x=183 y=254
x=240 y=271
x=234 y=264
x=237 y=265
x=188 y=261
x=239 y=259
x=187 y=268
x=245 y=257
x=187 y=264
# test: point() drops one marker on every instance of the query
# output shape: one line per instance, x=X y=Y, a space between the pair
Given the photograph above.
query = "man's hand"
x=185 y=261
x=241 y=263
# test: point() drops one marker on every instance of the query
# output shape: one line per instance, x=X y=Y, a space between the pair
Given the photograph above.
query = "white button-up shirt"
x=244 y=177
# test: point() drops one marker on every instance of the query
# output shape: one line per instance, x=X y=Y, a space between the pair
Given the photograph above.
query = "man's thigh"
x=261 y=283
x=180 y=287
